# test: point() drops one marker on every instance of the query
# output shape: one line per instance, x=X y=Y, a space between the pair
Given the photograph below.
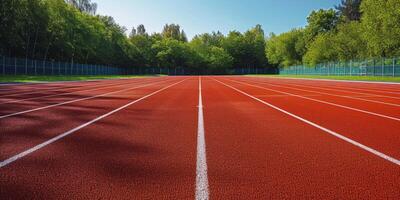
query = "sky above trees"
x=201 y=16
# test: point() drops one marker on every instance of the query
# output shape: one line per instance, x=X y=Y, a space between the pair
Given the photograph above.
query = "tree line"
x=71 y=31
x=355 y=29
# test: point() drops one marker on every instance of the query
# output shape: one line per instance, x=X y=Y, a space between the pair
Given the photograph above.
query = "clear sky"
x=200 y=16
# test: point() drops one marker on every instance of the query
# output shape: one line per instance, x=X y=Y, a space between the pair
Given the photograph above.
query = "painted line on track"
x=54 y=139
x=324 y=93
x=348 y=81
x=202 y=192
x=73 y=101
x=90 y=88
x=355 y=143
x=320 y=101
x=39 y=90
x=343 y=89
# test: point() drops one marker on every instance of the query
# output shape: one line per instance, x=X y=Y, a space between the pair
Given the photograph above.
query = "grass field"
x=29 y=79
x=350 y=78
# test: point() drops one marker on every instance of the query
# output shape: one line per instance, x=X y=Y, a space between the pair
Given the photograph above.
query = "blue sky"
x=200 y=16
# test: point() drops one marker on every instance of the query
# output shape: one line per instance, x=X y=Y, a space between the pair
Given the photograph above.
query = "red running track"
x=264 y=138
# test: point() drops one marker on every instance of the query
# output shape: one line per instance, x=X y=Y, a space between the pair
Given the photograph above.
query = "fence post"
x=383 y=67
x=15 y=65
x=44 y=67
x=52 y=67
x=351 y=63
x=393 y=67
x=373 y=65
x=4 y=65
x=35 y=67
x=26 y=66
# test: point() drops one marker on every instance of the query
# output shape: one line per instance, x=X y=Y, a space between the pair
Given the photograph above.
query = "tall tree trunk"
x=34 y=44
x=48 y=47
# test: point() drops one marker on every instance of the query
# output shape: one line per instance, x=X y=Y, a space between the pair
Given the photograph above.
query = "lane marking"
x=320 y=101
x=284 y=95
x=201 y=165
x=343 y=96
x=330 y=80
x=75 y=100
x=383 y=90
x=92 y=88
x=366 y=148
x=344 y=89
x=54 y=139
x=38 y=90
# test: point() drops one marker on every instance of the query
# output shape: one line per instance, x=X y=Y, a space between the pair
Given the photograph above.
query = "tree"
x=287 y=48
x=171 y=53
x=349 y=43
x=320 y=21
x=219 y=60
x=350 y=9
x=381 y=27
x=84 y=6
x=321 y=50
x=174 y=31
x=133 y=32
x=141 y=30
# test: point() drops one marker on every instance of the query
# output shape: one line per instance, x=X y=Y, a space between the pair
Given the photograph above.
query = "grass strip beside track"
x=33 y=79
x=347 y=78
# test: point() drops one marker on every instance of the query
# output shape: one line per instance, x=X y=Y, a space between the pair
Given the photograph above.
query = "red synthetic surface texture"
x=148 y=150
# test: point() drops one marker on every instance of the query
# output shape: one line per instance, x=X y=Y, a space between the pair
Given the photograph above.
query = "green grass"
x=351 y=78
x=31 y=79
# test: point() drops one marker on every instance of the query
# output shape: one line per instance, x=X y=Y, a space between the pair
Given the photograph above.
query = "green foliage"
x=174 y=31
x=381 y=24
x=350 y=10
x=320 y=21
x=344 y=44
x=69 y=30
x=358 y=30
x=246 y=49
x=286 y=49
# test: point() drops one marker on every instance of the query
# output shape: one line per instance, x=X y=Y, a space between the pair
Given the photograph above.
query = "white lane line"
x=320 y=101
x=336 y=95
x=201 y=165
x=92 y=88
x=54 y=139
x=352 y=88
x=40 y=90
x=73 y=101
x=330 y=80
x=345 y=89
x=57 y=87
x=366 y=148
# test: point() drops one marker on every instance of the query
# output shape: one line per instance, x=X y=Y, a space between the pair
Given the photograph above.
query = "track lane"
x=29 y=129
x=266 y=154
x=148 y=151
x=369 y=104
x=377 y=88
x=55 y=101
x=67 y=87
x=373 y=131
x=140 y=152
x=374 y=95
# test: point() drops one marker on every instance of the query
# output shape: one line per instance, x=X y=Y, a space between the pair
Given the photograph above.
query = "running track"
x=200 y=138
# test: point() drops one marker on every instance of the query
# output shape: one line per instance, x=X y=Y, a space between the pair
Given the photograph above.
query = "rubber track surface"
x=148 y=149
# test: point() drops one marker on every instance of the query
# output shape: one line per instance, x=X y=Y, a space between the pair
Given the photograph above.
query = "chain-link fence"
x=22 y=66
x=371 y=67
x=19 y=66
